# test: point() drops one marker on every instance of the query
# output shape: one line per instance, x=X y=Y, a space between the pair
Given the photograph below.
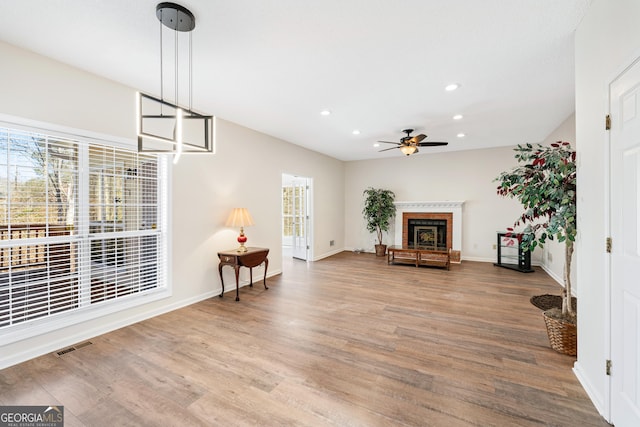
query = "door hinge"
x=608 y=367
x=607 y=122
x=608 y=245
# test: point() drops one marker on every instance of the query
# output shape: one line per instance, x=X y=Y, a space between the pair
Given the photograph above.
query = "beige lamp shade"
x=239 y=217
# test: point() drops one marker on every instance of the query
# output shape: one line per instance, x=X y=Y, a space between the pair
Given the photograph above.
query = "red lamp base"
x=242 y=240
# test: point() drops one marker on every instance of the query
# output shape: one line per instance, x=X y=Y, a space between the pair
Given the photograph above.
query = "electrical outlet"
x=549 y=257
x=332 y=242
x=494 y=246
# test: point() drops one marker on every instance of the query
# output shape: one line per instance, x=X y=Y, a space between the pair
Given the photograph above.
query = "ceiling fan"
x=409 y=144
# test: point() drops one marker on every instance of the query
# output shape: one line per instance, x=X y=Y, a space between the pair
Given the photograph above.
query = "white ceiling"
x=379 y=66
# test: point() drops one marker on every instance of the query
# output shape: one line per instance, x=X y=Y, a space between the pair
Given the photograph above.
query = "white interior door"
x=625 y=253
x=300 y=212
x=296 y=216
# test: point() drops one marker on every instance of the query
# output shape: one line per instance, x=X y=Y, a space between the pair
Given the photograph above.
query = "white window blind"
x=81 y=225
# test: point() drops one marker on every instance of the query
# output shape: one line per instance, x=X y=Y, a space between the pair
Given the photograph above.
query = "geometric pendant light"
x=165 y=126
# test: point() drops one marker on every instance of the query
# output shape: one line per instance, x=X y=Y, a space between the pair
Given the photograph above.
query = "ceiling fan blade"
x=389 y=142
x=418 y=138
x=387 y=149
x=432 y=144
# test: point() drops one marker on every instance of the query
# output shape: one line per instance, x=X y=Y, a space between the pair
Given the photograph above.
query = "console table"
x=253 y=257
x=418 y=255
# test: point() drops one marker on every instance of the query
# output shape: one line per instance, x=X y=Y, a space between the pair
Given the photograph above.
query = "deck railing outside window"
x=80 y=223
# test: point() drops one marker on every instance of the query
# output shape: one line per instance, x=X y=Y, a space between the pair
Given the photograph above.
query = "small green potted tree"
x=378 y=211
x=545 y=184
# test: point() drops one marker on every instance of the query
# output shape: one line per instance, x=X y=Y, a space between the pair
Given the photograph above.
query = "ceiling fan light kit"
x=408 y=144
x=408 y=150
x=164 y=127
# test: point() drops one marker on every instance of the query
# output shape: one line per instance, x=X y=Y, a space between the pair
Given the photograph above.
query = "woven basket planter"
x=546 y=302
x=563 y=336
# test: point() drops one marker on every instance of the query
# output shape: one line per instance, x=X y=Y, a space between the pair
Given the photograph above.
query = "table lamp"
x=240 y=217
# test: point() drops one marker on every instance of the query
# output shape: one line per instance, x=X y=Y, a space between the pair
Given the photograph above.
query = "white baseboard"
x=597 y=399
x=359 y=250
x=551 y=274
x=50 y=346
x=328 y=254
x=477 y=259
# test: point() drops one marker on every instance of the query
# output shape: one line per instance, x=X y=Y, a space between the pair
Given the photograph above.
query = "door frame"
x=309 y=202
x=606 y=411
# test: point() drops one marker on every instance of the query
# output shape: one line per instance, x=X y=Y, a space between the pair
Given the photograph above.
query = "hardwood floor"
x=346 y=341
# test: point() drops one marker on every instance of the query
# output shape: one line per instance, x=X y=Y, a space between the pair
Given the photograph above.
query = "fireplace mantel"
x=453 y=207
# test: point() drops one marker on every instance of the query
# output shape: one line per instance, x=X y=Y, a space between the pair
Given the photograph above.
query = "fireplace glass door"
x=428 y=233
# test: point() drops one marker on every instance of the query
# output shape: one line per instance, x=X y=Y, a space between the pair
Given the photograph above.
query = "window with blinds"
x=81 y=225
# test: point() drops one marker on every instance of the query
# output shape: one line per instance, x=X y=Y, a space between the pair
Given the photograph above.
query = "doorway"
x=296 y=218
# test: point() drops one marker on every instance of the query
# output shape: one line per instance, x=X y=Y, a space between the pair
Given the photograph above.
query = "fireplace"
x=436 y=225
x=430 y=229
x=430 y=233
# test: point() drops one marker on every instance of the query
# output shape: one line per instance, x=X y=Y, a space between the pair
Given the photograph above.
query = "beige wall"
x=49 y=91
x=246 y=171
x=457 y=176
x=607 y=40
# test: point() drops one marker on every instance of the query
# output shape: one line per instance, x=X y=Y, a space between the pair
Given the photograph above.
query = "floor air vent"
x=73 y=348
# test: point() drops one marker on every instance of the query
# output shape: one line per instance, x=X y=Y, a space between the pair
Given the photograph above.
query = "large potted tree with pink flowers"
x=545 y=183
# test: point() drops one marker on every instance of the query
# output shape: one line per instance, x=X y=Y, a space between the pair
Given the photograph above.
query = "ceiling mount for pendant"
x=176 y=17
x=164 y=126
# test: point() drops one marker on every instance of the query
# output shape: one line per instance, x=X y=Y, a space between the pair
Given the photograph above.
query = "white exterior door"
x=625 y=254
x=300 y=218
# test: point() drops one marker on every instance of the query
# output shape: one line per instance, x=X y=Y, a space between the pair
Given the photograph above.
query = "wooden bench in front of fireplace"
x=418 y=256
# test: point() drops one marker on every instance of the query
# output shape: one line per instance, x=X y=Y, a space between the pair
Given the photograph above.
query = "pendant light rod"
x=161 y=123
x=175 y=64
x=179 y=19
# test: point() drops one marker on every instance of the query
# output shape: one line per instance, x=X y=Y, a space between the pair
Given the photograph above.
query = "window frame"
x=90 y=312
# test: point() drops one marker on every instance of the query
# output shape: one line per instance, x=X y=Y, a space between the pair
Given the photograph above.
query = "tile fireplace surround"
x=437 y=208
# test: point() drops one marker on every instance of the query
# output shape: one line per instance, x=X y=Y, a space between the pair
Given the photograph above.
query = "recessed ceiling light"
x=375 y=144
x=325 y=112
x=356 y=132
x=452 y=86
x=457 y=117
x=461 y=135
